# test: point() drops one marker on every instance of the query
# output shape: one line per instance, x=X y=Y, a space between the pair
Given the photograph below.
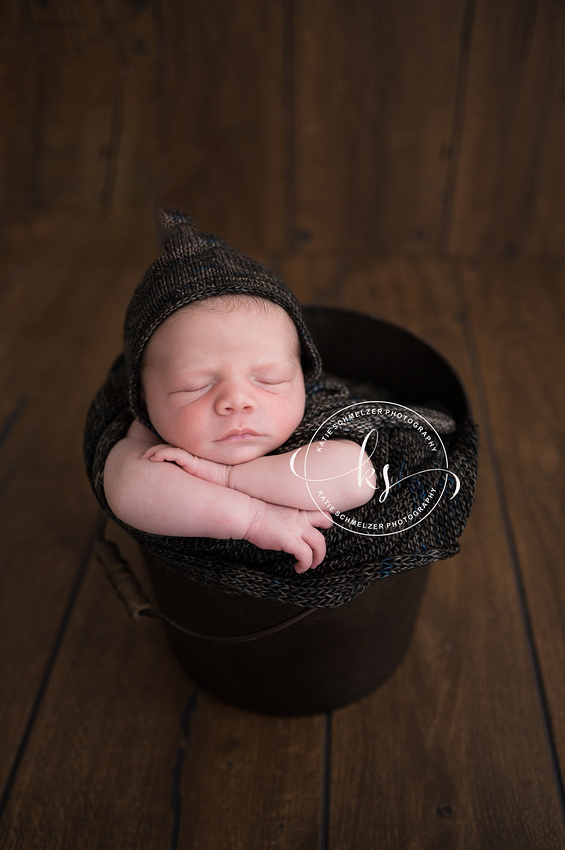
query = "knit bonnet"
x=194 y=266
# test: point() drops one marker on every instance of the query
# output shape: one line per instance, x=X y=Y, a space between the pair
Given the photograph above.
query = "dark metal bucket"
x=286 y=666
x=282 y=659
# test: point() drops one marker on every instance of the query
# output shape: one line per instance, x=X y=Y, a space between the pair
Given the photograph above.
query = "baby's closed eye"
x=191 y=389
x=273 y=384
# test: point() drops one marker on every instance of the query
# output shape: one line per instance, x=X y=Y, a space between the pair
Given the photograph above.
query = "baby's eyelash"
x=191 y=389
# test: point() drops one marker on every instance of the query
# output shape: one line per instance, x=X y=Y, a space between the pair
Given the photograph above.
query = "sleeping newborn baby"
x=217 y=383
x=198 y=442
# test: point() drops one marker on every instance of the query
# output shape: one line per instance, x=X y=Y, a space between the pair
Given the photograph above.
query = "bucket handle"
x=137 y=605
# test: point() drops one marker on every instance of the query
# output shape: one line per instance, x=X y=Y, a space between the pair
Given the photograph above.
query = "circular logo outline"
x=387 y=406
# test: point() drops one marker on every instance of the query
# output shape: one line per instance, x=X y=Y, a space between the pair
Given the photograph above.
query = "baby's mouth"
x=238 y=434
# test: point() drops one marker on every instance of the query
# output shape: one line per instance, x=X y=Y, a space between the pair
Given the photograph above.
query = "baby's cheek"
x=288 y=416
x=185 y=429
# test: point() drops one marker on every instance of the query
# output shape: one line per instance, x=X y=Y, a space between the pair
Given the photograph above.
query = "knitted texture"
x=352 y=561
x=194 y=266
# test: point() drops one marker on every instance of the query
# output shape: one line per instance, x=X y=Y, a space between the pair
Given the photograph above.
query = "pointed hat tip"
x=174 y=222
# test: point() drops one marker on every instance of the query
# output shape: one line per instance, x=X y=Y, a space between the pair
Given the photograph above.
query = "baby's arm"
x=160 y=498
x=341 y=470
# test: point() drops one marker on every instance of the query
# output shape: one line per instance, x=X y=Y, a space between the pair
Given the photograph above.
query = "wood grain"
x=451 y=752
x=374 y=127
x=98 y=769
x=545 y=235
x=223 y=98
x=374 y=107
x=516 y=61
x=61 y=327
x=518 y=316
x=251 y=781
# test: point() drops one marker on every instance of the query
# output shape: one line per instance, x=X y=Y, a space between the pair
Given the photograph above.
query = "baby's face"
x=226 y=385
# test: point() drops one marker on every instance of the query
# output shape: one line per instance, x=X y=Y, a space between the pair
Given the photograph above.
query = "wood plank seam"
x=539 y=140
x=457 y=127
x=289 y=130
x=326 y=783
x=50 y=664
x=113 y=149
x=12 y=419
x=176 y=790
x=7 y=428
x=502 y=497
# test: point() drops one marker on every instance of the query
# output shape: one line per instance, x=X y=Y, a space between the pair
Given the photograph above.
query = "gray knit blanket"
x=417 y=522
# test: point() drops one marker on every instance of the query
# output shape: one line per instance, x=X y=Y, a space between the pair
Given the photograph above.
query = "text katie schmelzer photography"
x=432 y=464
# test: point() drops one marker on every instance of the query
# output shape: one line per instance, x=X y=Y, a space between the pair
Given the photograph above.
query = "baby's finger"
x=321 y=519
x=147 y=454
x=303 y=554
x=317 y=544
x=168 y=453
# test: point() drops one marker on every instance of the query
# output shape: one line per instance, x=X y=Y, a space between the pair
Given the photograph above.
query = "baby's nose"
x=235 y=397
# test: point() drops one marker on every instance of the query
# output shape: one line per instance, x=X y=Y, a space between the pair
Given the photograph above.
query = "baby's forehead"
x=240 y=303
x=176 y=325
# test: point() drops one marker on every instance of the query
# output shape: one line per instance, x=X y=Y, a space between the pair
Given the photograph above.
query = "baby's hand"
x=290 y=530
x=216 y=473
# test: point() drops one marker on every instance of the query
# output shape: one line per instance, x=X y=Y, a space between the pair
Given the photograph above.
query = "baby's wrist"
x=256 y=517
x=231 y=477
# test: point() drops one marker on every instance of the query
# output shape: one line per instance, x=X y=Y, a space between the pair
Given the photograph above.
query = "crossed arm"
x=262 y=501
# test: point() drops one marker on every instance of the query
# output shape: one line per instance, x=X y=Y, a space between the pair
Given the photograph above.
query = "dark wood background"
x=401 y=158
x=403 y=128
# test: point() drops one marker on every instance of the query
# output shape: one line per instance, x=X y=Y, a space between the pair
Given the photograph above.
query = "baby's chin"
x=235 y=453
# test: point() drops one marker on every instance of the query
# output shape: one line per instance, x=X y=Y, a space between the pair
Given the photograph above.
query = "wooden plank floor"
x=106 y=743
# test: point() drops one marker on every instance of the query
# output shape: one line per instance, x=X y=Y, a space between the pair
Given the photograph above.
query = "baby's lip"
x=238 y=434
